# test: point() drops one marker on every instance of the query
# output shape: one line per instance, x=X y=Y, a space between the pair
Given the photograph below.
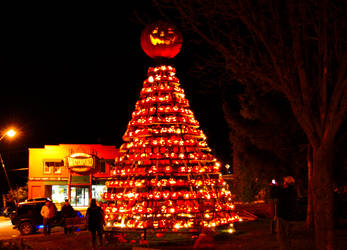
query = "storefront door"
x=79 y=196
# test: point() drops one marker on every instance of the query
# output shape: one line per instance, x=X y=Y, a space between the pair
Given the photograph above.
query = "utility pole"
x=3 y=166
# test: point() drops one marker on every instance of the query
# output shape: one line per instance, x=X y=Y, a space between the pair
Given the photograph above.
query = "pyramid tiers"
x=166 y=176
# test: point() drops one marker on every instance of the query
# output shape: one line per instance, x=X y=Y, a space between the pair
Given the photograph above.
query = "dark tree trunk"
x=323 y=196
x=309 y=213
x=238 y=184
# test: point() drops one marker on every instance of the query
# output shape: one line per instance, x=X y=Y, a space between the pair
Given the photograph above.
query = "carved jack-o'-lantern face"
x=161 y=40
x=164 y=37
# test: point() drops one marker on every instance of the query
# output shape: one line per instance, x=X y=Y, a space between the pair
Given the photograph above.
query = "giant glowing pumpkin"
x=161 y=40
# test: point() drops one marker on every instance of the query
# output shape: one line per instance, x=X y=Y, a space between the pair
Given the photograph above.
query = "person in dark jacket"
x=68 y=213
x=286 y=211
x=274 y=194
x=95 y=220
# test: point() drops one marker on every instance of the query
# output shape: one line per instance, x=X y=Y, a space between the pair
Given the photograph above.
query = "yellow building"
x=70 y=171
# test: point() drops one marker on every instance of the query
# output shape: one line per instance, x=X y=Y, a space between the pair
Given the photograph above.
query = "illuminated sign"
x=80 y=162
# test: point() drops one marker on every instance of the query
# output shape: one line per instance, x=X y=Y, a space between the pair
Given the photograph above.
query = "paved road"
x=6 y=229
x=251 y=235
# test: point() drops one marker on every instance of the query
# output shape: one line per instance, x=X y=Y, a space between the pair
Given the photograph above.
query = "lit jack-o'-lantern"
x=161 y=40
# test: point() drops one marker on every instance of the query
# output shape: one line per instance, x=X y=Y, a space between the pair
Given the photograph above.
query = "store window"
x=59 y=193
x=79 y=196
x=98 y=191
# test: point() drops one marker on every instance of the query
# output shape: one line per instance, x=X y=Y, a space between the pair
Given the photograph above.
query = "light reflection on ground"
x=6 y=229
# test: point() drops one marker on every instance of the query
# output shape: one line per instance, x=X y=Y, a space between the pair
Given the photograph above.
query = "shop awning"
x=55 y=182
x=80 y=179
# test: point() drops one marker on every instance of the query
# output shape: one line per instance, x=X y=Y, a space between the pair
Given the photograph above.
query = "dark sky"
x=73 y=75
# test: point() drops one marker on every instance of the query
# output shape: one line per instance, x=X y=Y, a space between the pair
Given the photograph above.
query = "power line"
x=17 y=169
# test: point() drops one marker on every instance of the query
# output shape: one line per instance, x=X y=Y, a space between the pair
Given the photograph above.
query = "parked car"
x=7 y=210
x=27 y=217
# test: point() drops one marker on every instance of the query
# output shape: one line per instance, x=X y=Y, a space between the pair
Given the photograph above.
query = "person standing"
x=68 y=213
x=274 y=194
x=286 y=211
x=95 y=220
x=48 y=212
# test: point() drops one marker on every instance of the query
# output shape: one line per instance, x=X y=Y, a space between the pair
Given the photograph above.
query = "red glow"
x=166 y=177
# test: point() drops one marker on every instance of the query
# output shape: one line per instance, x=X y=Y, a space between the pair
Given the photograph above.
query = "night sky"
x=73 y=75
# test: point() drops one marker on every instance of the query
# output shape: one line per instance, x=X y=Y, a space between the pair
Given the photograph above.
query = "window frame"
x=53 y=165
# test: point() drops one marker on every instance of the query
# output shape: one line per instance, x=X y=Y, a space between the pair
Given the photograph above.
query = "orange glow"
x=167 y=174
x=150 y=79
x=11 y=133
x=159 y=41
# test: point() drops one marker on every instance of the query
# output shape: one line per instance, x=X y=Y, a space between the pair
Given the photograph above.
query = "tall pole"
x=9 y=133
x=3 y=166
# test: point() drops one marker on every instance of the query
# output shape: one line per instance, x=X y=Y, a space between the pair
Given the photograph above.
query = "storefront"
x=70 y=171
x=79 y=196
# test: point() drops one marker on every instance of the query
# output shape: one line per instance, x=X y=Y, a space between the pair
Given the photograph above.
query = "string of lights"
x=166 y=176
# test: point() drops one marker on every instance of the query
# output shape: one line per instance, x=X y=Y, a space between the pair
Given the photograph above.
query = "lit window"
x=57 y=170
x=54 y=167
x=47 y=169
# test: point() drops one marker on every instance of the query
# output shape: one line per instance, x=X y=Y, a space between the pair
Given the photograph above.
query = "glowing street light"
x=9 y=133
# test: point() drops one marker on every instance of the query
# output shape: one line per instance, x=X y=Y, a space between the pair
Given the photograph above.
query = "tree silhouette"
x=296 y=48
x=267 y=141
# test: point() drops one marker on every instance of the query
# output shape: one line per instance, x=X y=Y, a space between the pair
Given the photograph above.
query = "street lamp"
x=9 y=133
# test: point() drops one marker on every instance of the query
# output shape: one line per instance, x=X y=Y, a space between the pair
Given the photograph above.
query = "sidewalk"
x=250 y=235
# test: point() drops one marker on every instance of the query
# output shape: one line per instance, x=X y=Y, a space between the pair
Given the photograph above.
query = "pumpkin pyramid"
x=166 y=177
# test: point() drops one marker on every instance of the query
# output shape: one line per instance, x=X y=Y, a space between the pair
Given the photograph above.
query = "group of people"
x=284 y=197
x=48 y=212
x=94 y=218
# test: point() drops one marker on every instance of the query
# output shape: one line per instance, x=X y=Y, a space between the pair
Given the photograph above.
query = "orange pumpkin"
x=159 y=235
x=161 y=40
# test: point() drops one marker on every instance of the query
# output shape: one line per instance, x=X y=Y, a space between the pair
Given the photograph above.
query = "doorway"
x=79 y=196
